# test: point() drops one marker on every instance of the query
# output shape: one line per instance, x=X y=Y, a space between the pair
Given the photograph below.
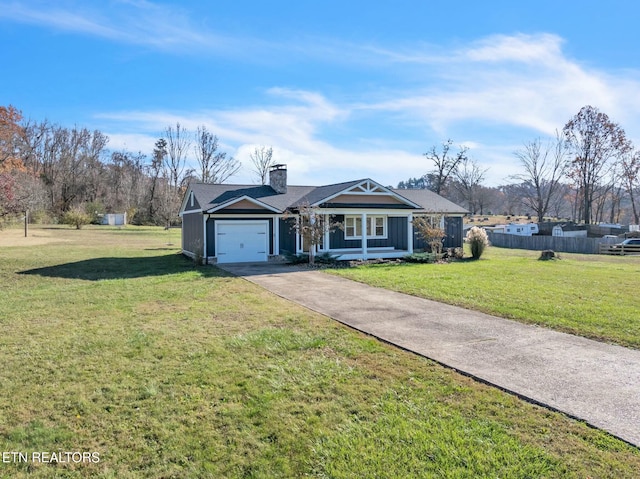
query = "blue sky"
x=340 y=90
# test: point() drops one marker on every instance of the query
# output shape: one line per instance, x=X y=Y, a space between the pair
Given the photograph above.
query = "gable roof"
x=431 y=202
x=213 y=197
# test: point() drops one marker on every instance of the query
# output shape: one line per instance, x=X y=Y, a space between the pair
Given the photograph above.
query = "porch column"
x=326 y=246
x=276 y=234
x=298 y=239
x=364 y=235
x=410 y=233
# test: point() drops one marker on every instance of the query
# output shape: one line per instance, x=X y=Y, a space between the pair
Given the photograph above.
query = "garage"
x=242 y=241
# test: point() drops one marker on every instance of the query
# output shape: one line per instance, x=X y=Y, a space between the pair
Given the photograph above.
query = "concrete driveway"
x=596 y=382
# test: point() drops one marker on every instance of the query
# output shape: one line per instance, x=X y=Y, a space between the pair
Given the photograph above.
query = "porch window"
x=353 y=227
x=376 y=227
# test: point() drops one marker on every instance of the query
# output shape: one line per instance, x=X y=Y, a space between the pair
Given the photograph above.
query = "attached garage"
x=242 y=241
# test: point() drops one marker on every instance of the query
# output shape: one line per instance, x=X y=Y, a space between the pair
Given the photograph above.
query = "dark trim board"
x=368 y=206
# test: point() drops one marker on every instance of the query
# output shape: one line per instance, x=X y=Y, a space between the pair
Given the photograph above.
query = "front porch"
x=382 y=234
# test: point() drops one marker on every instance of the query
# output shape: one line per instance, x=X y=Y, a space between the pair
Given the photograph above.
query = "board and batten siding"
x=287 y=235
x=192 y=230
x=453 y=229
x=453 y=232
x=396 y=236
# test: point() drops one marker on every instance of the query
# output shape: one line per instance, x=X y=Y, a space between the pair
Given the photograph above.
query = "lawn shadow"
x=97 y=269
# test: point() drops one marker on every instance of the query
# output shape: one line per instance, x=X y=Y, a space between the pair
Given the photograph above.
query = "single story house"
x=227 y=223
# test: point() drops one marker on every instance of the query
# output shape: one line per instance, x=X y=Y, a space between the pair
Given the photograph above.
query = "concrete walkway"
x=596 y=382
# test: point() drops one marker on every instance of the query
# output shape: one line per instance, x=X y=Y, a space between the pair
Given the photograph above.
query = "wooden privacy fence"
x=620 y=250
x=555 y=243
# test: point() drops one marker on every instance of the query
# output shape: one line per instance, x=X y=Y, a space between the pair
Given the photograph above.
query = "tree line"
x=589 y=172
x=51 y=169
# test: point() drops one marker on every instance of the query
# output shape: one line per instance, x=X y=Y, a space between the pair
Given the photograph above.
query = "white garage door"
x=242 y=241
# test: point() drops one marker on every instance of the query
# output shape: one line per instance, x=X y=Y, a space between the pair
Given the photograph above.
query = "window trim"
x=371 y=226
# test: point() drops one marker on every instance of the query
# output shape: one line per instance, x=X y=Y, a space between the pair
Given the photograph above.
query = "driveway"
x=592 y=381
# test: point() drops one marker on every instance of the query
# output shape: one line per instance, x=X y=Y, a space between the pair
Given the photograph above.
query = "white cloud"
x=542 y=48
x=136 y=22
x=523 y=84
x=522 y=80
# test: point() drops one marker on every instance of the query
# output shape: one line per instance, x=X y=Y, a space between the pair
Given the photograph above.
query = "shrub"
x=429 y=231
x=327 y=258
x=76 y=217
x=453 y=253
x=95 y=210
x=295 y=258
x=422 y=257
x=478 y=240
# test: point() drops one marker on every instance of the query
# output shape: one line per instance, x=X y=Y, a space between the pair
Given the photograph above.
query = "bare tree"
x=469 y=176
x=174 y=171
x=445 y=164
x=544 y=166
x=595 y=142
x=177 y=146
x=262 y=159
x=125 y=177
x=630 y=175
x=215 y=166
x=68 y=155
x=429 y=229
x=311 y=225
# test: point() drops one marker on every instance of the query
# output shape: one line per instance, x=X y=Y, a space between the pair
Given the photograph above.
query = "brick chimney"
x=278 y=178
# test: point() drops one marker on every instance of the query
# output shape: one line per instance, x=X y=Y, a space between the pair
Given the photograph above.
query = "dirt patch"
x=15 y=237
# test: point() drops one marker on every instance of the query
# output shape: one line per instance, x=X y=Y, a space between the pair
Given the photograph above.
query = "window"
x=376 y=227
x=353 y=227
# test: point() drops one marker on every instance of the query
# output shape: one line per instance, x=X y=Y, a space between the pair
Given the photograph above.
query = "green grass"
x=589 y=295
x=111 y=342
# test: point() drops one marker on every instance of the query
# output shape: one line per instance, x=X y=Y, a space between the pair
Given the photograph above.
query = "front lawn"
x=589 y=295
x=112 y=343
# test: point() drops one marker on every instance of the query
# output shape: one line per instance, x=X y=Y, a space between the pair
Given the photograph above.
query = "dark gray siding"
x=287 y=235
x=192 y=232
x=396 y=236
x=196 y=205
x=452 y=229
x=211 y=237
x=397 y=232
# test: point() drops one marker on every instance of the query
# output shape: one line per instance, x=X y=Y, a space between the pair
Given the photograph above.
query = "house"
x=250 y=223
